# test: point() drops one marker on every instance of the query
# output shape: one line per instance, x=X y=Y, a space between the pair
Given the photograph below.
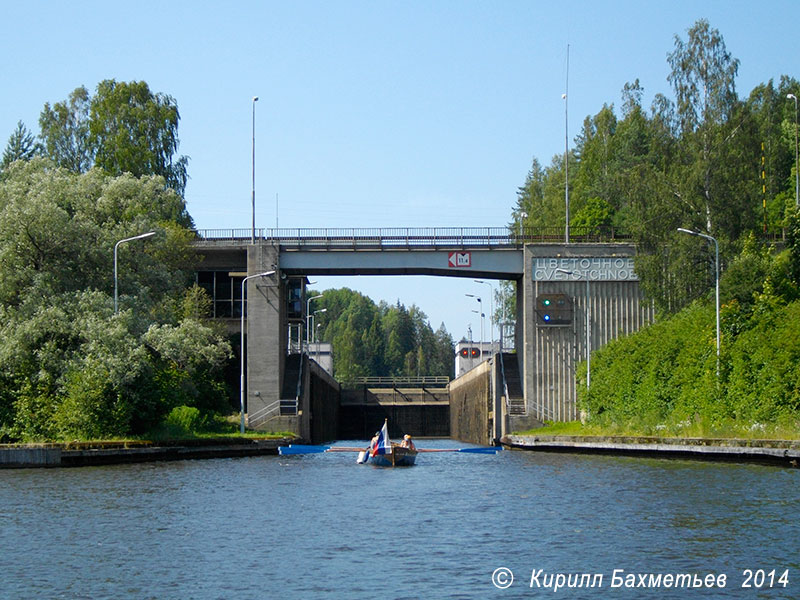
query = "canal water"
x=456 y=525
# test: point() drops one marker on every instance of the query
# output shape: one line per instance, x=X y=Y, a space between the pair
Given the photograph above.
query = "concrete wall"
x=472 y=403
x=31 y=456
x=324 y=397
x=550 y=354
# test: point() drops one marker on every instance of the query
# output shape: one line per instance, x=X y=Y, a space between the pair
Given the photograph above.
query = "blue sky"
x=373 y=114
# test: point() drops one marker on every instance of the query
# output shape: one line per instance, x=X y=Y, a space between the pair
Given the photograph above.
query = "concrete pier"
x=777 y=452
x=110 y=453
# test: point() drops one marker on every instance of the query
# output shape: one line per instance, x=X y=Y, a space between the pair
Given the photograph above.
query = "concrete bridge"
x=570 y=297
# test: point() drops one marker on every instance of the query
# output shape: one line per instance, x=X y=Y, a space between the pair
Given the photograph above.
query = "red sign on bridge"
x=459 y=259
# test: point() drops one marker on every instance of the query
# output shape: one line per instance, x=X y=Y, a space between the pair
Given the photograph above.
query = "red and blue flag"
x=383 y=445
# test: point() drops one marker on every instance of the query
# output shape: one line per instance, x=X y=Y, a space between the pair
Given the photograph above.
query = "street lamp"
x=491 y=306
x=116 y=246
x=253 y=233
x=587 y=318
x=565 y=97
x=796 y=164
x=716 y=276
x=480 y=301
x=522 y=216
x=312 y=328
x=309 y=316
x=241 y=351
x=480 y=312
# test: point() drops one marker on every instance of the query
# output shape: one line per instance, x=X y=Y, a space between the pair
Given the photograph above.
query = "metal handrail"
x=412 y=237
x=262 y=414
x=299 y=390
x=402 y=381
x=505 y=384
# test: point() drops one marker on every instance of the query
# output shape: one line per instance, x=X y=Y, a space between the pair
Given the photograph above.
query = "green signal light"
x=546 y=302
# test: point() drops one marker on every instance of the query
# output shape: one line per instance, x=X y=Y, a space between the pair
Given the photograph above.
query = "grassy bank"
x=699 y=429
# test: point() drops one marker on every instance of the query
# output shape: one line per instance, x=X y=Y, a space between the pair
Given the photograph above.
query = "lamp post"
x=491 y=307
x=796 y=164
x=565 y=97
x=522 y=216
x=241 y=351
x=313 y=328
x=587 y=318
x=716 y=276
x=116 y=246
x=480 y=312
x=253 y=197
x=471 y=357
x=309 y=316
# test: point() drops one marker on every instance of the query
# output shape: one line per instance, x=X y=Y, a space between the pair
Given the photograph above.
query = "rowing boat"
x=381 y=452
x=400 y=456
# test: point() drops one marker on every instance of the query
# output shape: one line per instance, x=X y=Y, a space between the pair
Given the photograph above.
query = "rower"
x=407 y=443
x=373 y=442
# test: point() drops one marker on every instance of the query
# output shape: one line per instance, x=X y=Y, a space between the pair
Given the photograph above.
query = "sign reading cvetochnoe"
x=593 y=268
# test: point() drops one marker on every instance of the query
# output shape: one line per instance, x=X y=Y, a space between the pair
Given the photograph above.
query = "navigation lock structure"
x=557 y=315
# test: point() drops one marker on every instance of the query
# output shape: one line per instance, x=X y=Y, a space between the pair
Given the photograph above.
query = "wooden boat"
x=400 y=457
x=382 y=451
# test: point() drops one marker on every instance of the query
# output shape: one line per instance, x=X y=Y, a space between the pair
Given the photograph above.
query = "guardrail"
x=261 y=416
x=411 y=237
x=429 y=380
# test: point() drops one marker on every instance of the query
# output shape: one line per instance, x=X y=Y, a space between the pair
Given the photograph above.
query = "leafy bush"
x=186 y=419
x=665 y=375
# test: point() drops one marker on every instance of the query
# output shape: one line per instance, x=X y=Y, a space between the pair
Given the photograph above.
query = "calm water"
x=321 y=526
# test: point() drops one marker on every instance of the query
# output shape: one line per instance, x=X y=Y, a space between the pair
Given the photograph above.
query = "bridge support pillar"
x=266 y=341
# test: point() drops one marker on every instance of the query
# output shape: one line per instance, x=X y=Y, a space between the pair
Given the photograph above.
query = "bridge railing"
x=428 y=380
x=412 y=237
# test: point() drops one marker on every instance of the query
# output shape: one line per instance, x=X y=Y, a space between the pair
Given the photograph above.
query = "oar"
x=309 y=449
x=483 y=450
x=301 y=449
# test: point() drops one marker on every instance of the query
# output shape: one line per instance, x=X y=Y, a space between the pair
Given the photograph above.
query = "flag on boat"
x=383 y=445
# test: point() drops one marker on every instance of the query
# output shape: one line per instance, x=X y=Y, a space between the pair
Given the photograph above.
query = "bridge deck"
x=406 y=238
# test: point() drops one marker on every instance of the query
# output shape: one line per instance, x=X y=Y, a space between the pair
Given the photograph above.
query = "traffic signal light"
x=553 y=309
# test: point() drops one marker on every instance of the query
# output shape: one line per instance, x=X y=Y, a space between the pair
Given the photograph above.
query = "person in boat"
x=407 y=443
x=373 y=442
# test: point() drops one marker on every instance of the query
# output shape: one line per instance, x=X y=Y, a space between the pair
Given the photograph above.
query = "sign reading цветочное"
x=593 y=268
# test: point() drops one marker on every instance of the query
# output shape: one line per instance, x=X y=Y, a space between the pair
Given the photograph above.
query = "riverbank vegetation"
x=72 y=367
x=103 y=169
x=711 y=162
x=667 y=377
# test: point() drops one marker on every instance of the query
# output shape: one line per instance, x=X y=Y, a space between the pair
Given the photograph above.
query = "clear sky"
x=373 y=114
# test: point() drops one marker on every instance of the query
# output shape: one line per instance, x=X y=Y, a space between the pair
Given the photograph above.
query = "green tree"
x=703 y=75
x=21 y=146
x=64 y=130
x=401 y=339
x=597 y=171
x=132 y=130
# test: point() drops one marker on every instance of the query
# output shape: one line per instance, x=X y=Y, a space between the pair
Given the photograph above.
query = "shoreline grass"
x=688 y=430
